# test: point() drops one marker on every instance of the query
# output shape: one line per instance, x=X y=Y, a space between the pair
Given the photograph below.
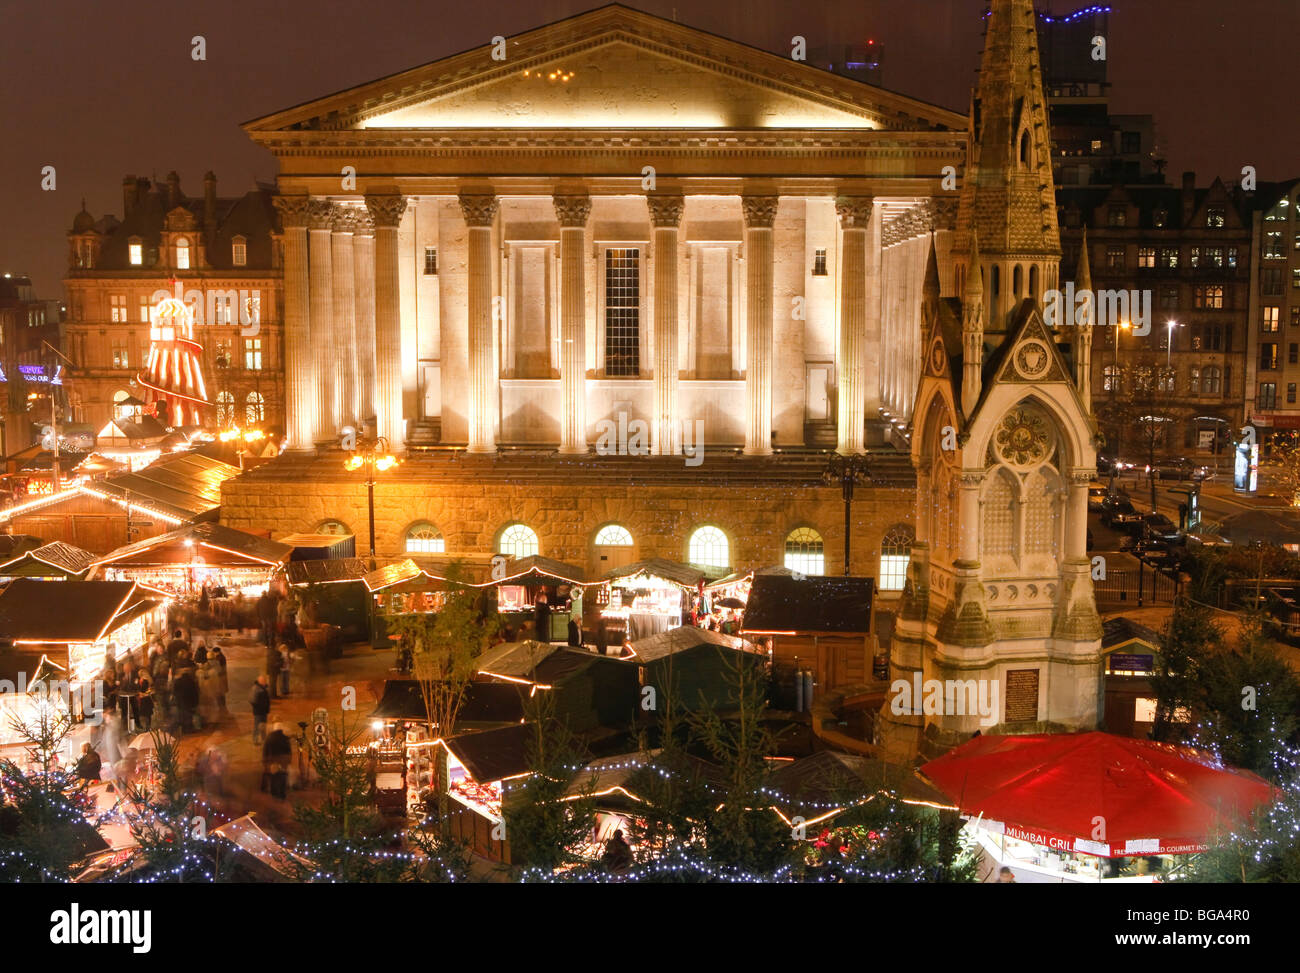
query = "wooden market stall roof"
x=490 y=755
x=683 y=639
x=185 y=485
x=810 y=605
x=827 y=782
x=53 y=560
x=484 y=702
x=683 y=575
x=515 y=661
x=540 y=570
x=23 y=667
x=231 y=547
x=36 y=611
x=330 y=570
x=631 y=774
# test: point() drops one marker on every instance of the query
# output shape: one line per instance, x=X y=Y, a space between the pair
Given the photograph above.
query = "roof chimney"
x=173 y=190
x=209 y=200
x=130 y=195
x=1189 y=196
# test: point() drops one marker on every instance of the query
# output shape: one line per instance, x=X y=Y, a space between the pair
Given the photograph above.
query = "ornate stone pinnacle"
x=386 y=211
x=854 y=211
x=320 y=214
x=294 y=210
x=760 y=211
x=479 y=210
x=666 y=211
x=572 y=211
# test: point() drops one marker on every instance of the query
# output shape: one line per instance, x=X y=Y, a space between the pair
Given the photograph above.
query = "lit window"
x=1270 y=322
x=335 y=528
x=623 y=312
x=612 y=535
x=225 y=409
x=518 y=540
x=253 y=354
x=1214 y=217
x=709 y=548
x=895 y=552
x=804 y=551
x=1267 y=395
x=135 y=252
x=182 y=253
x=117 y=308
x=1146 y=257
x=254 y=408
x=144 y=309
x=238 y=251
x=424 y=538
x=121 y=356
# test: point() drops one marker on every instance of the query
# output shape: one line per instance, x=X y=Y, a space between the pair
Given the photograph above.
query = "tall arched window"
x=1033 y=281
x=1024 y=148
x=517 y=540
x=225 y=409
x=182 y=253
x=895 y=553
x=1017 y=278
x=1211 y=379
x=335 y=528
x=424 y=538
x=1110 y=378
x=1194 y=381
x=804 y=551
x=254 y=408
x=709 y=548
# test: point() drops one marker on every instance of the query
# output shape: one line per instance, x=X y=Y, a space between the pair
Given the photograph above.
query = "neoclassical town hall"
x=494 y=259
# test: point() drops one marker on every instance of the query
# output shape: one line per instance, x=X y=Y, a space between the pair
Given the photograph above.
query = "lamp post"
x=848 y=471
x=1169 y=344
x=1114 y=386
x=372 y=454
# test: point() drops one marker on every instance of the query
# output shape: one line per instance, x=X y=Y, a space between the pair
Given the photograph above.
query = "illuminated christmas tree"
x=173 y=378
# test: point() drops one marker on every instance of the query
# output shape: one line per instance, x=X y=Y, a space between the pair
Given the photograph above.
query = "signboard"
x=1022 y=696
x=1205 y=439
x=1129 y=662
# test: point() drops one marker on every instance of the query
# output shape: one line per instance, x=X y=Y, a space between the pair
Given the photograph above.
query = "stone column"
x=386 y=211
x=666 y=217
x=850 y=360
x=968 y=538
x=760 y=213
x=363 y=264
x=345 y=313
x=328 y=365
x=300 y=397
x=572 y=212
x=480 y=211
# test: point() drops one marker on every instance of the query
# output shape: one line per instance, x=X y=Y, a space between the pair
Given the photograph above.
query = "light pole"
x=1169 y=344
x=373 y=454
x=848 y=471
x=1114 y=386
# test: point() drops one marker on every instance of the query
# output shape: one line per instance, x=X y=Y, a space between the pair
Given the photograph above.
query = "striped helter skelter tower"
x=173 y=378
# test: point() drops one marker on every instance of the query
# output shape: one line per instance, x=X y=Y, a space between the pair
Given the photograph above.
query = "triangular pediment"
x=1032 y=356
x=614 y=68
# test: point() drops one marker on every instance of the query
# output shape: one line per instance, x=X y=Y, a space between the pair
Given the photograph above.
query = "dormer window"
x=239 y=251
x=182 y=253
x=135 y=251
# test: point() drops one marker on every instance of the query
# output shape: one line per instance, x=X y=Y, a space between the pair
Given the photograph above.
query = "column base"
x=578 y=450
x=754 y=451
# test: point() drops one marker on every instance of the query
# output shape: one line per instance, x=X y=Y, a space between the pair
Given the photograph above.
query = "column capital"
x=943 y=212
x=760 y=211
x=854 y=211
x=320 y=214
x=666 y=211
x=572 y=211
x=363 y=223
x=479 y=210
x=386 y=211
x=294 y=210
x=345 y=219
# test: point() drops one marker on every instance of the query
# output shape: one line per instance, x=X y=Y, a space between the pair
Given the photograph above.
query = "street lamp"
x=373 y=455
x=848 y=471
x=1114 y=385
x=1169 y=344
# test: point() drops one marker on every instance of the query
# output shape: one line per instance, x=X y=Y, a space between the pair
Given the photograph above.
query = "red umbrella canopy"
x=1060 y=784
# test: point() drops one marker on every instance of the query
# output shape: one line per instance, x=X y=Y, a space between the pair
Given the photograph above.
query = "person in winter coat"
x=217 y=660
x=259 y=698
x=277 y=754
x=185 y=687
x=274 y=663
x=144 y=704
x=176 y=645
x=88 y=765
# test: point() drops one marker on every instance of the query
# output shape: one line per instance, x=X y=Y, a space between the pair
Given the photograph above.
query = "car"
x=1160 y=527
x=1118 y=511
x=1096 y=497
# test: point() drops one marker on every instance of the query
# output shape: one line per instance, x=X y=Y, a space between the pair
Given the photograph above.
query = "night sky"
x=102 y=89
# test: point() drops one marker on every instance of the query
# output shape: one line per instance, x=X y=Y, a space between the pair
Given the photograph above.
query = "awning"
x=1052 y=789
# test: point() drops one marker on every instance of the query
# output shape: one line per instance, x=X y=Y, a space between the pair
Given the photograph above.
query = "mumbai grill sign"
x=1072 y=844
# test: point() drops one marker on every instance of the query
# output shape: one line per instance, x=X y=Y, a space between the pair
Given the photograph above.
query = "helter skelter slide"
x=173 y=377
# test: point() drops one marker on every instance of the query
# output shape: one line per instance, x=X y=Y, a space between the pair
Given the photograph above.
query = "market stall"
x=527 y=579
x=647 y=597
x=71 y=648
x=224 y=560
x=481 y=768
x=1033 y=803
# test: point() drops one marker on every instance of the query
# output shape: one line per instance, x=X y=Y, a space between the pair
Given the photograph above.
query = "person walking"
x=274 y=663
x=185 y=687
x=176 y=645
x=259 y=698
x=217 y=660
x=144 y=704
x=542 y=618
x=277 y=754
x=128 y=691
x=89 y=764
x=285 y=669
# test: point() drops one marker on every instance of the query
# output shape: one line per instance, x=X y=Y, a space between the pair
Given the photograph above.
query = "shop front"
x=646 y=598
x=521 y=583
x=198 y=558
